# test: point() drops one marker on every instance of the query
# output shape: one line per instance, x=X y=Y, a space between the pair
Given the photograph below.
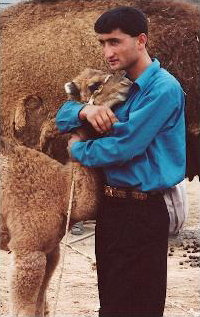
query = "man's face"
x=121 y=50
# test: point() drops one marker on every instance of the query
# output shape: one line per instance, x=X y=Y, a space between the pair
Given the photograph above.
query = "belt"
x=118 y=192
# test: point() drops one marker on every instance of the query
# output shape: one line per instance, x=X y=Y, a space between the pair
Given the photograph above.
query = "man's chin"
x=115 y=67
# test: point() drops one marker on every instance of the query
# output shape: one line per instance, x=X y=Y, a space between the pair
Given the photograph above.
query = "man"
x=142 y=154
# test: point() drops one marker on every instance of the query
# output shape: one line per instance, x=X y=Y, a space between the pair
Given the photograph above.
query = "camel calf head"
x=95 y=87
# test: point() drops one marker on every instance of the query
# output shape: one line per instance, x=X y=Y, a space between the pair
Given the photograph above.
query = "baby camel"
x=96 y=88
x=35 y=194
x=35 y=197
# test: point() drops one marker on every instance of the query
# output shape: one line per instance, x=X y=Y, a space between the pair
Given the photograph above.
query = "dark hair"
x=129 y=20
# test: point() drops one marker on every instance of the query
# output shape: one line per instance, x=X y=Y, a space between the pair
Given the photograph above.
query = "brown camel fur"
x=33 y=220
x=45 y=44
x=35 y=199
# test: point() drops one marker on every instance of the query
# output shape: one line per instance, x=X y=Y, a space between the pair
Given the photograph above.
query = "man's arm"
x=72 y=114
x=67 y=117
x=100 y=117
x=160 y=111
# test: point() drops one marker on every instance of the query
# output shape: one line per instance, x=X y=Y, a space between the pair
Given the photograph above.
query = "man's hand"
x=100 y=117
x=74 y=138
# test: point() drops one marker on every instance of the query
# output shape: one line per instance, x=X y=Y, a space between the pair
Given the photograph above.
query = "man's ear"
x=142 y=40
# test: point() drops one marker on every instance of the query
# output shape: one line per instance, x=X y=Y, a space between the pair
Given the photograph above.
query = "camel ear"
x=72 y=90
x=20 y=116
x=30 y=102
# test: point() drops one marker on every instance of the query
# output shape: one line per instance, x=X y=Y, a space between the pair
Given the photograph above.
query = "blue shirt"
x=146 y=148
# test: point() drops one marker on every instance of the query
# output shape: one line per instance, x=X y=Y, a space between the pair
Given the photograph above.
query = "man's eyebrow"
x=112 y=39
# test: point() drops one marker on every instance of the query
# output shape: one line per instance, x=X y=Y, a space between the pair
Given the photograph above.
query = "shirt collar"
x=146 y=75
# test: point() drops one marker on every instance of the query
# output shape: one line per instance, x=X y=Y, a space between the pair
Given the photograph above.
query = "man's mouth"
x=112 y=61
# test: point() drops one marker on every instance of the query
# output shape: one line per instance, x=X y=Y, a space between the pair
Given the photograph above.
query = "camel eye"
x=94 y=86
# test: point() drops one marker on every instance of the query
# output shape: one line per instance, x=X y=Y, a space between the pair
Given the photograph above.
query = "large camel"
x=47 y=43
x=33 y=76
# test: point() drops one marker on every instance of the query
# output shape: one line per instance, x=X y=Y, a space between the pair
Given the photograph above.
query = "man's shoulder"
x=166 y=85
x=164 y=77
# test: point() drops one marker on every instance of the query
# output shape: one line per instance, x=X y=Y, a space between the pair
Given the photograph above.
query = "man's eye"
x=114 y=41
x=102 y=43
x=94 y=86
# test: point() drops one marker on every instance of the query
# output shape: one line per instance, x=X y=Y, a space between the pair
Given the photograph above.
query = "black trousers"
x=131 y=253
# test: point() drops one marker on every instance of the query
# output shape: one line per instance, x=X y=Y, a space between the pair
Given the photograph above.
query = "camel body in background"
x=44 y=45
x=47 y=43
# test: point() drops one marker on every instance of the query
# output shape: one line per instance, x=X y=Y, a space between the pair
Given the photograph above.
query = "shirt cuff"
x=75 y=146
x=67 y=117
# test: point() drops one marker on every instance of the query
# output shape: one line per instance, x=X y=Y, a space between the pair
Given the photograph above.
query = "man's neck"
x=137 y=69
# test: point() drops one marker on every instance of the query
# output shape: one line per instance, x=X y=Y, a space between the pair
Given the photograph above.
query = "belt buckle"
x=139 y=196
x=109 y=191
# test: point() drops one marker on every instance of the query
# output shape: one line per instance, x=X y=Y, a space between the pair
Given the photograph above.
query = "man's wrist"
x=82 y=114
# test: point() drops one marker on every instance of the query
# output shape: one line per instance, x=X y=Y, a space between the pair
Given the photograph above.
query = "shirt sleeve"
x=67 y=117
x=157 y=112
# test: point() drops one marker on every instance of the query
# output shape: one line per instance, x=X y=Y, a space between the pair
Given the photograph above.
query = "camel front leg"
x=52 y=261
x=27 y=274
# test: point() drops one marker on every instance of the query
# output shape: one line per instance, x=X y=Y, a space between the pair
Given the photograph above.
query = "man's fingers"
x=108 y=118
x=111 y=116
x=96 y=126
x=101 y=118
x=104 y=123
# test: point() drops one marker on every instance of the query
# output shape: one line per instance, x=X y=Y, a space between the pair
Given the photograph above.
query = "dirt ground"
x=73 y=288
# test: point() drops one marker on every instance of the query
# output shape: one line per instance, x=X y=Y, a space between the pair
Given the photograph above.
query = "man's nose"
x=108 y=52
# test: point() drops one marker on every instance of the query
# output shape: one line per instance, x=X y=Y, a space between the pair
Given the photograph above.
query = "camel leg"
x=52 y=261
x=27 y=274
